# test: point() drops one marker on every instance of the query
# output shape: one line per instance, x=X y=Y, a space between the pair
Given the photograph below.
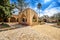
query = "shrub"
x=58 y=23
x=42 y=23
x=4 y=26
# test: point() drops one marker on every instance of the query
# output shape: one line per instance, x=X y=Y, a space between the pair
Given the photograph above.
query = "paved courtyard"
x=37 y=32
x=48 y=30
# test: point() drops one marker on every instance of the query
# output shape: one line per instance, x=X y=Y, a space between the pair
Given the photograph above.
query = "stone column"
x=19 y=19
x=9 y=20
x=16 y=19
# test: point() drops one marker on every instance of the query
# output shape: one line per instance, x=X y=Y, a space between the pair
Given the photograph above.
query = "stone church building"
x=27 y=16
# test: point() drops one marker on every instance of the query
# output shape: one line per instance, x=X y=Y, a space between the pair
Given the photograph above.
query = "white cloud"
x=46 y=1
x=51 y=12
x=59 y=1
x=51 y=5
x=16 y=11
x=35 y=9
x=41 y=14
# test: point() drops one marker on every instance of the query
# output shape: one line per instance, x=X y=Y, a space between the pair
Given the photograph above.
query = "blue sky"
x=49 y=7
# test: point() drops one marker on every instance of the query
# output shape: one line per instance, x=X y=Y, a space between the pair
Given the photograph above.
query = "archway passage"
x=0 y=19
x=45 y=20
x=12 y=19
x=34 y=19
x=6 y=20
x=24 y=20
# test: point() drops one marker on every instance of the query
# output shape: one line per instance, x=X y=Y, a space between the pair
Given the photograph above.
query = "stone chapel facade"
x=27 y=16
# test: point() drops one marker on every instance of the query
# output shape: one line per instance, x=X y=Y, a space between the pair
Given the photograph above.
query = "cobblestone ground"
x=24 y=33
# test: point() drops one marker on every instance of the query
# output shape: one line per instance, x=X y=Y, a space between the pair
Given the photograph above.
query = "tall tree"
x=5 y=9
x=57 y=17
x=39 y=6
x=21 y=4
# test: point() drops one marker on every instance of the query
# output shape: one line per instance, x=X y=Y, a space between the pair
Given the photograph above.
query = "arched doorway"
x=12 y=19
x=6 y=20
x=24 y=20
x=45 y=20
x=0 y=19
x=34 y=19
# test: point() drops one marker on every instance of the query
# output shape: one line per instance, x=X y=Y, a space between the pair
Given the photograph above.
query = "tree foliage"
x=5 y=9
x=21 y=4
x=39 y=6
x=57 y=16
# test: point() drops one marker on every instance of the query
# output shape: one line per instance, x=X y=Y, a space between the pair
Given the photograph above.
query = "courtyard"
x=36 y=32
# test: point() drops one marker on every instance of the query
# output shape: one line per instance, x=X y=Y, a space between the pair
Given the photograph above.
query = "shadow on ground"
x=15 y=26
x=55 y=26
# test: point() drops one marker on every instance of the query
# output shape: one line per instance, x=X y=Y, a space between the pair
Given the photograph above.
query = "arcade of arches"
x=14 y=18
x=28 y=16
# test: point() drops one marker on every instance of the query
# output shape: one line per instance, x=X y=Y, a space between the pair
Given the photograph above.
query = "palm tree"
x=39 y=6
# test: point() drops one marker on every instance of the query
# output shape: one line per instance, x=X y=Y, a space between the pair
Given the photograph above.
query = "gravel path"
x=25 y=33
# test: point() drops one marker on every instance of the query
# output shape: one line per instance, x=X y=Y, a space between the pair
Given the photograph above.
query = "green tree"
x=57 y=17
x=5 y=9
x=39 y=6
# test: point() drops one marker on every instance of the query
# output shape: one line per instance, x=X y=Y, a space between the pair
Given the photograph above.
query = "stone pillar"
x=19 y=20
x=16 y=19
x=9 y=20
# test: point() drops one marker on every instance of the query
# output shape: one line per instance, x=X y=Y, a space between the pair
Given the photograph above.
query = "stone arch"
x=45 y=20
x=34 y=19
x=23 y=19
x=12 y=19
x=6 y=20
x=0 y=19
